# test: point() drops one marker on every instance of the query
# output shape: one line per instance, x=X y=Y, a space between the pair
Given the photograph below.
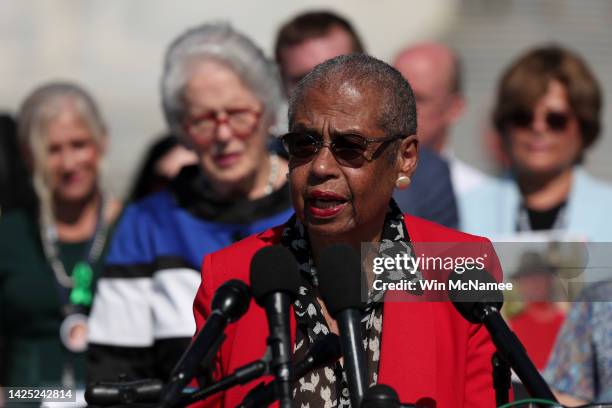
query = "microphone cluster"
x=274 y=286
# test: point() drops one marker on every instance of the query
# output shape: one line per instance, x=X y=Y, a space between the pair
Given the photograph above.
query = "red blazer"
x=428 y=350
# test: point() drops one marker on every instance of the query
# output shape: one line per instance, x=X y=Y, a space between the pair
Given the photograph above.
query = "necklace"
x=82 y=274
x=75 y=292
x=274 y=164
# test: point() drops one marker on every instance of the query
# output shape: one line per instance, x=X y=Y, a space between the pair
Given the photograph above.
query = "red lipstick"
x=325 y=204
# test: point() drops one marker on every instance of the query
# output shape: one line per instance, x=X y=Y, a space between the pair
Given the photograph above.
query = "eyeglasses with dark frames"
x=556 y=121
x=350 y=150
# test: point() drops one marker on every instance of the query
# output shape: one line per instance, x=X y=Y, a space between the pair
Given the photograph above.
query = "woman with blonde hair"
x=50 y=258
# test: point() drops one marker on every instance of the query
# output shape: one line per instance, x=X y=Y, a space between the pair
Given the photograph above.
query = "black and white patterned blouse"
x=327 y=387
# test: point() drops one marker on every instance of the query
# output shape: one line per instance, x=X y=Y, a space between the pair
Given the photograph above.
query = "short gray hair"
x=398 y=106
x=221 y=43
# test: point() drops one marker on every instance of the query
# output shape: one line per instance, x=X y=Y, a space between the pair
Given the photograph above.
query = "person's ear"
x=274 y=128
x=497 y=147
x=103 y=144
x=408 y=157
x=456 y=109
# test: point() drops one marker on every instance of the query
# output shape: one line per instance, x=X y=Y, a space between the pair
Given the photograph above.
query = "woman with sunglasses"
x=220 y=96
x=352 y=140
x=548 y=115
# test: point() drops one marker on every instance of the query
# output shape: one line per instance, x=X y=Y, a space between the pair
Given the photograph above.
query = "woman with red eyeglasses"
x=547 y=113
x=220 y=95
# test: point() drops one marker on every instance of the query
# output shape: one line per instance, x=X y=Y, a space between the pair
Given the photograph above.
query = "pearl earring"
x=402 y=182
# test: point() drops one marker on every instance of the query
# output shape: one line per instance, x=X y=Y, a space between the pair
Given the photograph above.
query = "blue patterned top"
x=581 y=362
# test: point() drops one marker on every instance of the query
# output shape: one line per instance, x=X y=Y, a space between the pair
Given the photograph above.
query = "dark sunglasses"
x=348 y=149
x=555 y=121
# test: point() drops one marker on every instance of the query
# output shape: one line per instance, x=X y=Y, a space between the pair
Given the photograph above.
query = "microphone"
x=275 y=283
x=341 y=284
x=123 y=392
x=380 y=396
x=323 y=351
x=229 y=303
x=240 y=376
x=383 y=396
x=482 y=307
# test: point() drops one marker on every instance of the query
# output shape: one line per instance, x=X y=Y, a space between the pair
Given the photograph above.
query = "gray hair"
x=221 y=43
x=43 y=105
x=397 y=106
x=46 y=102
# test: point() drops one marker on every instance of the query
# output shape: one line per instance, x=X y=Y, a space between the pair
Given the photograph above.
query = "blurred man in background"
x=310 y=39
x=314 y=37
x=434 y=71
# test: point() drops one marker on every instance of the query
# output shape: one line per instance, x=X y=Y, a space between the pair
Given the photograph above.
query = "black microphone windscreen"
x=340 y=278
x=274 y=269
x=232 y=299
x=325 y=350
x=469 y=296
x=380 y=396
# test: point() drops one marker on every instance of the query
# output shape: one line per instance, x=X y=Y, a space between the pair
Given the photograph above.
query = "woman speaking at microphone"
x=352 y=124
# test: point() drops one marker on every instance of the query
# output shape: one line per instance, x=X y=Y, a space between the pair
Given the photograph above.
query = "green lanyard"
x=81 y=280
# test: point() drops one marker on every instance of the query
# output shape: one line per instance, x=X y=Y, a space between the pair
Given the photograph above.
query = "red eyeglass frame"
x=214 y=115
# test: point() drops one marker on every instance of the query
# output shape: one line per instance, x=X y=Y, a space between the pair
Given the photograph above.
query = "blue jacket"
x=493 y=209
x=142 y=319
